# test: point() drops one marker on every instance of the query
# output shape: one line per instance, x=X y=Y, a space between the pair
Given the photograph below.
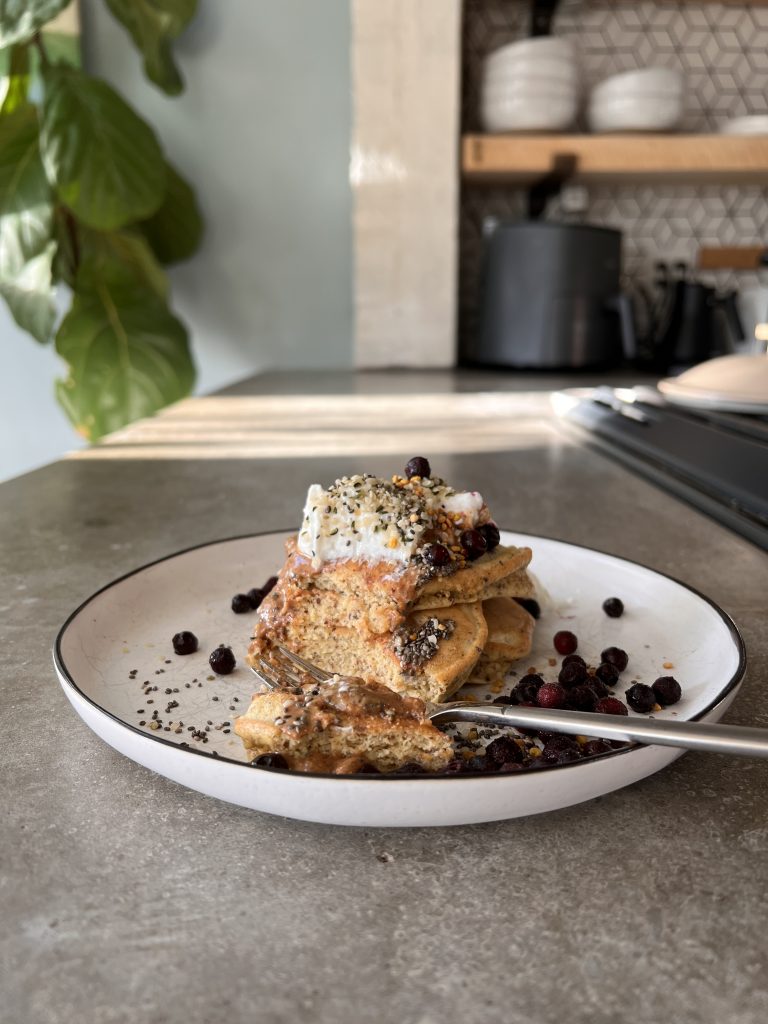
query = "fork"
x=286 y=668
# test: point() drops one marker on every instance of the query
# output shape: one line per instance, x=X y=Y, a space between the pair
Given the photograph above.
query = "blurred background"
x=353 y=160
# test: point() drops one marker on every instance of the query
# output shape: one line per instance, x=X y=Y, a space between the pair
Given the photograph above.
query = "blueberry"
x=565 y=642
x=581 y=698
x=222 y=660
x=528 y=687
x=607 y=673
x=255 y=596
x=491 y=533
x=574 y=659
x=417 y=467
x=560 y=750
x=597 y=686
x=269 y=761
x=667 y=690
x=572 y=675
x=474 y=544
x=641 y=698
x=618 y=658
x=184 y=642
x=437 y=554
x=412 y=768
x=593 y=747
x=613 y=607
x=531 y=605
x=368 y=769
x=241 y=603
x=268 y=585
x=503 y=750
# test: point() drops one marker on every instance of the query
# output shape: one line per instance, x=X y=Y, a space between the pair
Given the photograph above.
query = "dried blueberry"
x=551 y=695
x=184 y=642
x=607 y=673
x=437 y=554
x=269 y=761
x=491 y=533
x=241 y=603
x=581 y=698
x=668 y=690
x=597 y=686
x=618 y=658
x=412 y=768
x=222 y=660
x=368 y=769
x=531 y=605
x=255 y=596
x=565 y=642
x=640 y=698
x=503 y=750
x=528 y=687
x=474 y=544
x=611 y=706
x=417 y=467
x=613 y=607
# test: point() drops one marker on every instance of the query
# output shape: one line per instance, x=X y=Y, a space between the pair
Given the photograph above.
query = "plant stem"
x=37 y=39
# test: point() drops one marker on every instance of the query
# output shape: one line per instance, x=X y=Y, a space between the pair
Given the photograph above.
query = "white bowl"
x=646 y=82
x=538 y=47
x=549 y=67
x=529 y=113
x=642 y=114
x=529 y=89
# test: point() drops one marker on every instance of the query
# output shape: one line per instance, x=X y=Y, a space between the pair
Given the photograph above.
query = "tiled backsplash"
x=722 y=50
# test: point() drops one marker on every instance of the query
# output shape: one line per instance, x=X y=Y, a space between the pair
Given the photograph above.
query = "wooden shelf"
x=522 y=159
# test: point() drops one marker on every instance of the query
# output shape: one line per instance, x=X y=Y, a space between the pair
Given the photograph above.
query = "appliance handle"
x=622 y=305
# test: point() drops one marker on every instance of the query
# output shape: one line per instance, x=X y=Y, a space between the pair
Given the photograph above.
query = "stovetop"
x=716 y=461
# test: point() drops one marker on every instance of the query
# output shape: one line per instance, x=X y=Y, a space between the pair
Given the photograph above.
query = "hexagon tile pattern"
x=721 y=48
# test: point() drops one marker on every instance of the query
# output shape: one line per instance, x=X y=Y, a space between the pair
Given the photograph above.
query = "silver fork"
x=719 y=739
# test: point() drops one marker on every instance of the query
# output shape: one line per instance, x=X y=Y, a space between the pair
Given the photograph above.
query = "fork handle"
x=720 y=739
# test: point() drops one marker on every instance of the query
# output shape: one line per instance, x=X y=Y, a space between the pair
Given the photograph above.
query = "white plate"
x=733 y=383
x=128 y=626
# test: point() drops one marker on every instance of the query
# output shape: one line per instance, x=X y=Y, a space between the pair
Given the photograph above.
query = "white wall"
x=262 y=131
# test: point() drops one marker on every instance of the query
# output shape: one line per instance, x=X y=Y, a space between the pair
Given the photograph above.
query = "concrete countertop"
x=127 y=898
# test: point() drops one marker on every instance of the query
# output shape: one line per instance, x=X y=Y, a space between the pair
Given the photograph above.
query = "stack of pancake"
x=422 y=637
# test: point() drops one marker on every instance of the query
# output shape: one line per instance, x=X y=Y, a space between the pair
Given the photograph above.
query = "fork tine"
x=276 y=677
x=266 y=674
x=313 y=670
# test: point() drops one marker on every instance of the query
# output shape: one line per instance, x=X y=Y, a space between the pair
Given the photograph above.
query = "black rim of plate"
x=476 y=777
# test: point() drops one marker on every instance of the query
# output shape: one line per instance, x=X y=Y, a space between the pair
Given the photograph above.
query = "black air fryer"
x=551 y=299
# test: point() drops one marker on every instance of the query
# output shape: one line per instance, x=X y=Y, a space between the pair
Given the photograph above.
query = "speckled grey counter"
x=126 y=898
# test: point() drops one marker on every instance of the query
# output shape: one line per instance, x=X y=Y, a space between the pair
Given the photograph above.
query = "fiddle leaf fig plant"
x=89 y=203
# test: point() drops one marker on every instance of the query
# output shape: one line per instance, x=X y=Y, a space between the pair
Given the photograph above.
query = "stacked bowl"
x=530 y=86
x=649 y=100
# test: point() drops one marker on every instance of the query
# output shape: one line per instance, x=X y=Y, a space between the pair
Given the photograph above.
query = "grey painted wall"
x=262 y=131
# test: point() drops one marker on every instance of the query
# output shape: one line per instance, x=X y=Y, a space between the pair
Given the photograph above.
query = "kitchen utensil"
x=286 y=668
x=650 y=99
x=551 y=297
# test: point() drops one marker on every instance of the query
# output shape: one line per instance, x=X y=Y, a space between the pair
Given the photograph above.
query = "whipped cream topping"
x=366 y=518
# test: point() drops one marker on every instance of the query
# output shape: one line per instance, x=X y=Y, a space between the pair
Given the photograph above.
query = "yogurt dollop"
x=370 y=519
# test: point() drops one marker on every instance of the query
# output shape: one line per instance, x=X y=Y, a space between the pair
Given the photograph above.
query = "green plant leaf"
x=20 y=19
x=103 y=161
x=121 y=258
x=16 y=81
x=128 y=357
x=25 y=194
x=175 y=230
x=26 y=247
x=29 y=295
x=152 y=25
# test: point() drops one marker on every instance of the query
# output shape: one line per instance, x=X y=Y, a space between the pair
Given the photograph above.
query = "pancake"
x=510 y=636
x=406 y=660
x=341 y=727
x=472 y=582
